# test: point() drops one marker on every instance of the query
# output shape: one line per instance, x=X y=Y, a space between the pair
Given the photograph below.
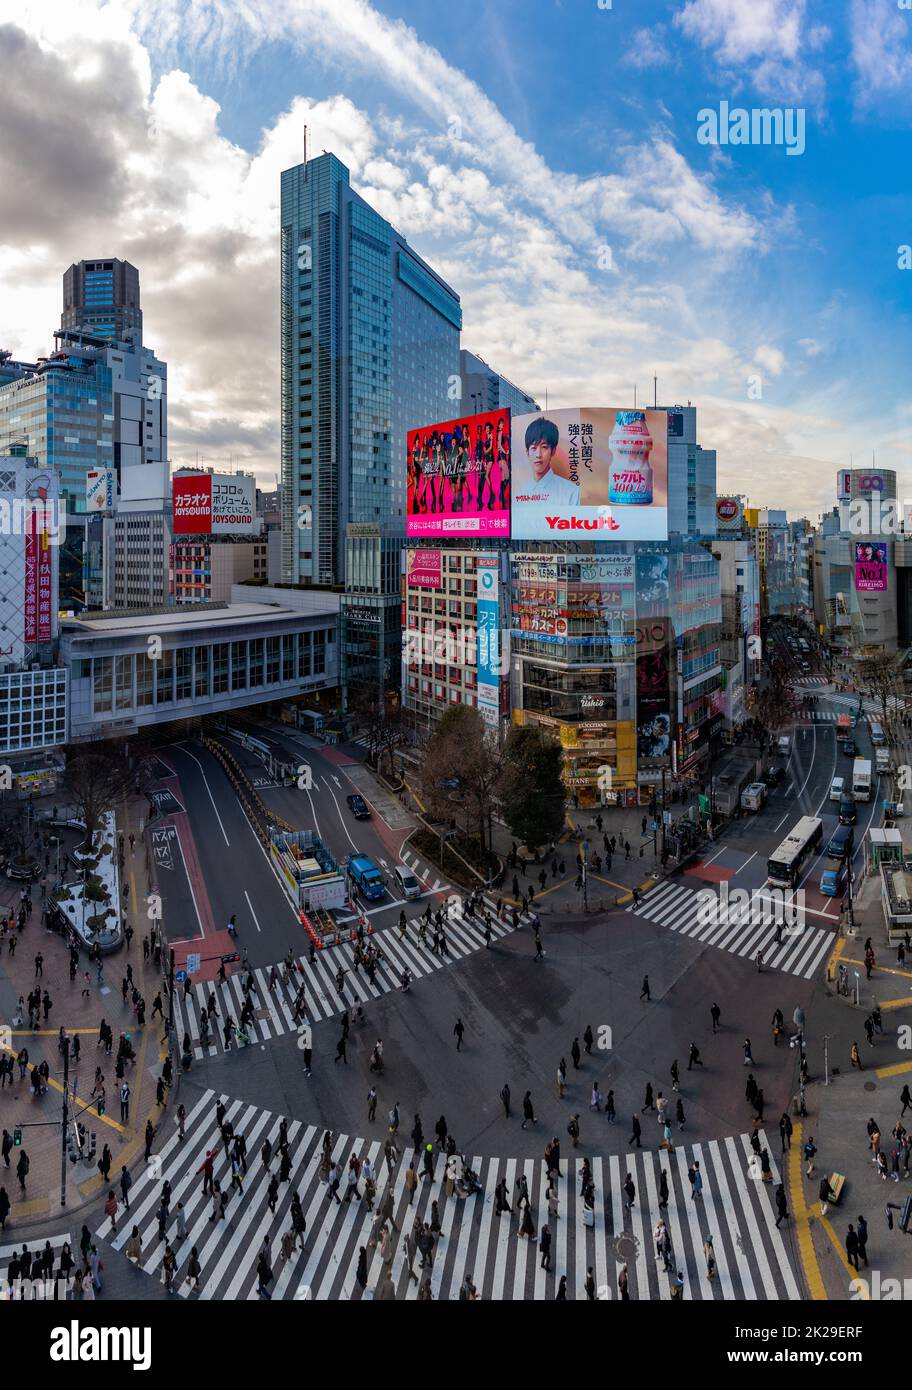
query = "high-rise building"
x=370 y=347
x=102 y=298
x=485 y=389
x=92 y=405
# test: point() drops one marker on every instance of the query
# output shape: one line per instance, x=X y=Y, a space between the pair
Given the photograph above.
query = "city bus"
x=843 y=726
x=784 y=867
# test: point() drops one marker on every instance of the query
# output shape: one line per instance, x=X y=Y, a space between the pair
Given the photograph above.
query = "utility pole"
x=826 y=1061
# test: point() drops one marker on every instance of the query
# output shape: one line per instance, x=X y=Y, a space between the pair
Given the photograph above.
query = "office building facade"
x=484 y=389
x=369 y=345
x=101 y=297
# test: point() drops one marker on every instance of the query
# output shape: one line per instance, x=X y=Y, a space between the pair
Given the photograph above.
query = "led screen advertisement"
x=459 y=477
x=580 y=471
x=870 y=566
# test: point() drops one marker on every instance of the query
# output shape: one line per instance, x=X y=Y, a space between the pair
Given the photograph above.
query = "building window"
x=201 y=682
x=184 y=673
x=101 y=684
x=123 y=694
x=220 y=668
x=273 y=657
x=164 y=678
x=238 y=665
x=144 y=676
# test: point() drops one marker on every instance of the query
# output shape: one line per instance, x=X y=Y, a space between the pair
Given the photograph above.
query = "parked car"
x=849 y=748
x=358 y=807
x=837 y=788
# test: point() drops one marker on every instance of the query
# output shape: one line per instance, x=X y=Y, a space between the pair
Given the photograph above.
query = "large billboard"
x=32 y=529
x=590 y=470
x=459 y=477
x=213 y=504
x=871 y=566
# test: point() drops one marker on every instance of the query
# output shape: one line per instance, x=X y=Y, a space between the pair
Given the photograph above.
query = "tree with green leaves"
x=531 y=789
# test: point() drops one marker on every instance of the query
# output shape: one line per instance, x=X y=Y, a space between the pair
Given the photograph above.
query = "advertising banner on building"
x=870 y=566
x=488 y=628
x=653 y=693
x=729 y=514
x=213 y=504
x=424 y=569
x=100 y=485
x=458 y=477
x=597 y=471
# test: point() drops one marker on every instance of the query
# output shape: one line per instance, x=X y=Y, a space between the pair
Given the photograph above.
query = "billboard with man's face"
x=459 y=477
x=581 y=472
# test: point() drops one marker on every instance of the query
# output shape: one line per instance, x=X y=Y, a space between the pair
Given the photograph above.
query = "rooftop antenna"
x=655 y=392
x=305 y=147
x=634 y=396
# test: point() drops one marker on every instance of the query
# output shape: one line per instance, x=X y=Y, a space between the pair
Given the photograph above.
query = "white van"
x=753 y=797
x=407 y=883
x=883 y=760
x=877 y=733
x=784 y=745
x=837 y=786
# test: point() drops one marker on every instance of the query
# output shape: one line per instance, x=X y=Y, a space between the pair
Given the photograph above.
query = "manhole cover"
x=625 y=1247
x=870 y=1085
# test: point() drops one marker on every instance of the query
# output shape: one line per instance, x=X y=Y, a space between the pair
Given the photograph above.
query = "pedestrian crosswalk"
x=39 y=1271
x=734 y=1209
x=678 y=907
x=274 y=1008
x=819 y=716
x=811 y=680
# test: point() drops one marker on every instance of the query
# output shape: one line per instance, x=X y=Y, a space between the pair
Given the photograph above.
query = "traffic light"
x=101 y=1104
x=906 y=1216
x=93 y=1147
x=17 y=1135
x=230 y=960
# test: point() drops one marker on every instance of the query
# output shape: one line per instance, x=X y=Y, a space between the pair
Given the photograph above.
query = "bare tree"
x=97 y=775
x=461 y=768
x=879 y=677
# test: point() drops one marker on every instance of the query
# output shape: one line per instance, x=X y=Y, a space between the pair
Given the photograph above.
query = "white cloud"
x=649 y=49
x=881 y=39
x=771 y=358
x=765 y=39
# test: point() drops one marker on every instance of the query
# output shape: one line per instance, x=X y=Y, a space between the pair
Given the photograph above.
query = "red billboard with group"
x=459 y=477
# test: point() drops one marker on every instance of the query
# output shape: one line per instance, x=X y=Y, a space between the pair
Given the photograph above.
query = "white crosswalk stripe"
x=810 y=680
x=674 y=905
x=274 y=1009
x=736 y=1211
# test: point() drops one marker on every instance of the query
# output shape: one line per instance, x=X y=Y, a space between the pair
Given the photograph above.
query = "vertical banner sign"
x=31 y=577
x=44 y=563
x=488 y=618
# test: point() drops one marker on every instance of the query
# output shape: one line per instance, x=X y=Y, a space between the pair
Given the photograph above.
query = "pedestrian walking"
x=629 y=1191
x=781 y=1205
x=635 y=1136
x=459 y=1032
x=505 y=1100
x=528 y=1111
x=644 y=989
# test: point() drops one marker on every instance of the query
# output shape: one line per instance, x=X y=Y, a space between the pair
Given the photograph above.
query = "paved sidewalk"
x=80 y=1013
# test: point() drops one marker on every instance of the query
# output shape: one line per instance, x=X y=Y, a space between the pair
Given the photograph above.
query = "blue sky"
x=577 y=132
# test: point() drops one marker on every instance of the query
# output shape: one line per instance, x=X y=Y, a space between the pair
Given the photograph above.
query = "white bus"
x=784 y=867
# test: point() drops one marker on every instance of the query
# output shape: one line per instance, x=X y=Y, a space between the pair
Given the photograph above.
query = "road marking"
x=802 y=1215
x=250 y=905
x=192 y=894
x=745 y=864
x=336 y=780
x=341 y=817
x=896 y=1070
x=208 y=788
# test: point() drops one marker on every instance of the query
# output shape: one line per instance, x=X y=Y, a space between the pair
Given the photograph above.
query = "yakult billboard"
x=459 y=477
x=584 y=471
x=213 y=504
